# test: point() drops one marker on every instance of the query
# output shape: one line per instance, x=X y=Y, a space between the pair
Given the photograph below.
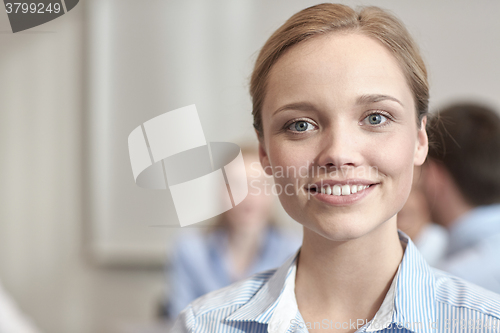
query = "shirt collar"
x=260 y=307
x=409 y=301
x=415 y=291
x=474 y=226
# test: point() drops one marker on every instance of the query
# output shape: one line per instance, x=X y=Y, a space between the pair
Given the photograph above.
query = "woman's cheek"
x=398 y=166
x=397 y=152
x=287 y=162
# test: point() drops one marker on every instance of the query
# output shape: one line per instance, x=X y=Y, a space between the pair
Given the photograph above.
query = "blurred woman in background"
x=244 y=240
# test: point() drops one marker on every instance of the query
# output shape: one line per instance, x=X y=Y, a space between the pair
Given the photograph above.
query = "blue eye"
x=300 y=126
x=376 y=119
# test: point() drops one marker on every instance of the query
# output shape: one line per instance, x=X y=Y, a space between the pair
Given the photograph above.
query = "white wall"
x=42 y=263
x=204 y=56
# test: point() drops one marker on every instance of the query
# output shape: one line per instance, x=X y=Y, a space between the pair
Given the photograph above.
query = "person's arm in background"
x=181 y=272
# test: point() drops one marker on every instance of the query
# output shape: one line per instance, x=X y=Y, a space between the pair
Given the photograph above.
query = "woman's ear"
x=264 y=159
x=422 y=144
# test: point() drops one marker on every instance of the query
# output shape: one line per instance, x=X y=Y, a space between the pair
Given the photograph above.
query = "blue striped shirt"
x=420 y=299
x=198 y=262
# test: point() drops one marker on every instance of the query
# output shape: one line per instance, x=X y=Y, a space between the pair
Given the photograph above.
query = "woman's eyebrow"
x=373 y=98
x=300 y=106
x=362 y=100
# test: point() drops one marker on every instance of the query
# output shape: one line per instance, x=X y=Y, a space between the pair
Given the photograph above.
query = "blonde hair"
x=326 y=18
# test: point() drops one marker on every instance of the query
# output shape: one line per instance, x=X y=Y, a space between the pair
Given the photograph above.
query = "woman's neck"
x=346 y=280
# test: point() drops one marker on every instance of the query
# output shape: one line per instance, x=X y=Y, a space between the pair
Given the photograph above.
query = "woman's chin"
x=339 y=231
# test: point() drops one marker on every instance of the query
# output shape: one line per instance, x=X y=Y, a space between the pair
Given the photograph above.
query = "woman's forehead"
x=337 y=63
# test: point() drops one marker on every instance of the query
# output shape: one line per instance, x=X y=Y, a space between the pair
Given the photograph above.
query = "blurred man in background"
x=415 y=220
x=462 y=184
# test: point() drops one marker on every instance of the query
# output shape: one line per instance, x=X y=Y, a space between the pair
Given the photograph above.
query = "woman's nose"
x=340 y=147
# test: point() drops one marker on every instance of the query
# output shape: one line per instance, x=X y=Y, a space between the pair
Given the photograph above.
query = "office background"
x=82 y=248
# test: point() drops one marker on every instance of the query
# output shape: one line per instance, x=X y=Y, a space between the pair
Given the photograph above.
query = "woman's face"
x=338 y=109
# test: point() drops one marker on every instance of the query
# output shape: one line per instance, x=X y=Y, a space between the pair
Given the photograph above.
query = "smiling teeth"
x=343 y=190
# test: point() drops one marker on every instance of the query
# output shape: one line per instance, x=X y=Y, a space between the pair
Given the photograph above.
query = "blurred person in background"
x=462 y=181
x=415 y=220
x=244 y=241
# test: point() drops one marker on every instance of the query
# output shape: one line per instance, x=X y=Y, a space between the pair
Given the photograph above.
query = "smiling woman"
x=343 y=94
x=360 y=113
